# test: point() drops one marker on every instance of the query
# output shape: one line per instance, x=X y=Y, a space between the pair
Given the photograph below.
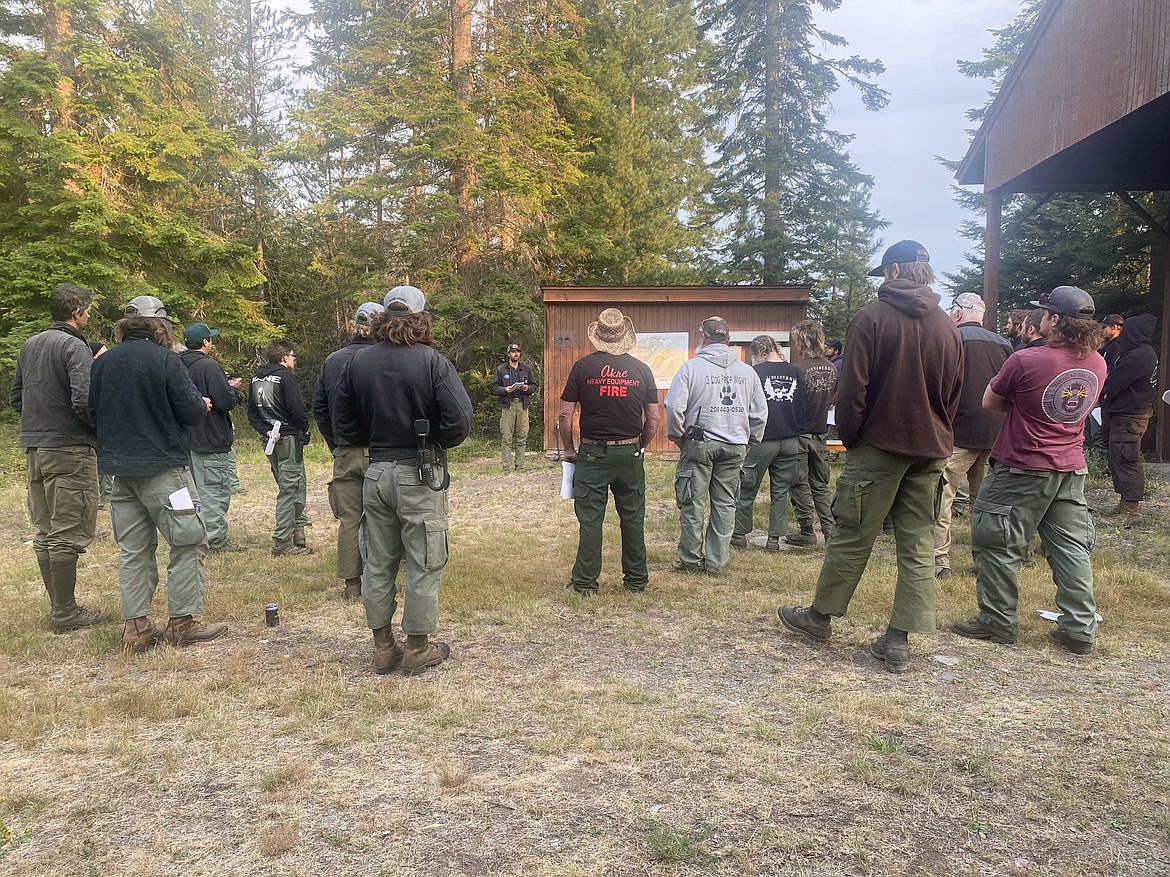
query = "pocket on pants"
x=182 y=528
x=333 y=500
x=990 y=523
x=849 y=502
x=684 y=492
x=436 y=545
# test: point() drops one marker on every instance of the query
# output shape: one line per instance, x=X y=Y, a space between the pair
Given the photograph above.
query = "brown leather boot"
x=353 y=588
x=387 y=651
x=1131 y=514
x=185 y=630
x=422 y=654
x=140 y=634
x=299 y=537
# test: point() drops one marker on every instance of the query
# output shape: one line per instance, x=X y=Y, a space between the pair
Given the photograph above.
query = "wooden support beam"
x=992 y=238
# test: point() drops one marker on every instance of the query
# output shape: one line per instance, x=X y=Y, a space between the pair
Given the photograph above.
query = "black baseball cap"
x=1068 y=301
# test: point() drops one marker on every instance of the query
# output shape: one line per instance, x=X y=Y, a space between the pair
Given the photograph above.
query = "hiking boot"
x=66 y=618
x=140 y=634
x=292 y=551
x=299 y=537
x=1076 y=646
x=1131 y=514
x=185 y=631
x=422 y=654
x=943 y=572
x=802 y=621
x=679 y=566
x=973 y=628
x=739 y=540
x=895 y=655
x=388 y=651
x=570 y=588
x=801 y=538
x=353 y=588
x=773 y=544
x=228 y=547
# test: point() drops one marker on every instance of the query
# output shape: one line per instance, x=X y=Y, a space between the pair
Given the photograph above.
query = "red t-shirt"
x=1051 y=393
x=612 y=392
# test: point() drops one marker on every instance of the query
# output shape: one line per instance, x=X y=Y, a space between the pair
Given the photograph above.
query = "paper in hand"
x=273 y=439
x=567 y=470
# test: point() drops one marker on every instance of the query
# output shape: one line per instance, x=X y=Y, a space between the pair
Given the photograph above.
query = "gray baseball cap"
x=405 y=300
x=1069 y=301
x=366 y=313
x=145 y=306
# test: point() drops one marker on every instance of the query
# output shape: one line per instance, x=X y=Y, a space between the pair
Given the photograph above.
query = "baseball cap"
x=366 y=313
x=1113 y=320
x=405 y=300
x=513 y=347
x=1069 y=301
x=715 y=328
x=902 y=251
x=197 y=333
x=145 y=306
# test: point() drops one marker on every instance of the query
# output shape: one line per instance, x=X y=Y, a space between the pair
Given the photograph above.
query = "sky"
x=919 y=41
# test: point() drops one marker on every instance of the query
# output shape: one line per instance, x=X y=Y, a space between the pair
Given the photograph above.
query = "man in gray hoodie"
x=715 y=408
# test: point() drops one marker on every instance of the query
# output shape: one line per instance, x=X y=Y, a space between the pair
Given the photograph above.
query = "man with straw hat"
x=618 y=398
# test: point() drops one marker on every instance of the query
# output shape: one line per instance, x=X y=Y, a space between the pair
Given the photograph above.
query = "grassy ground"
x=680 y=732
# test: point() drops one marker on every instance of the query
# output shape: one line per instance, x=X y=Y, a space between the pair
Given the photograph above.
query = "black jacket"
x=386 y=387
x=1132 y=382
x=273 y=395
x=51 y=389
x=325 y=392
x=506 y=376
x=984 y=353
x=142 y=403
x=214 y=435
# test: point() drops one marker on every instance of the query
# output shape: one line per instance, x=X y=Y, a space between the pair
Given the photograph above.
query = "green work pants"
x=287 y=462
x=212 y=474
x=345 y=500
x=513 y=434
x=783 y=463
x=140 y=508
x=969 y=463
x=1123 y=439
x=707 y=469
x=403 y=519
x=62 y=500
x=811 y=493
x=1012 y=506
x=601 y=470
x=234 y=478
x=871 y=485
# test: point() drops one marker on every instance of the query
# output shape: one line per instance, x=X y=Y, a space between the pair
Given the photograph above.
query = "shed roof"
x=794 y=293
x=1085 y=107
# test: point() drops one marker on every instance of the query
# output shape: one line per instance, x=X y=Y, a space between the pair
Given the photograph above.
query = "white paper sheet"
x=1097 y=414
x=181 y=499
x=268 y=448
x=567 y=470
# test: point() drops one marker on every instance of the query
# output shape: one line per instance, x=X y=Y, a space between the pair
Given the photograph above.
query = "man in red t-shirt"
x=619 y=416
x=1037 y=477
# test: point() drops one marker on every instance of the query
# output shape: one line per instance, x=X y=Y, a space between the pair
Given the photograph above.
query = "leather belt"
x=608 y=443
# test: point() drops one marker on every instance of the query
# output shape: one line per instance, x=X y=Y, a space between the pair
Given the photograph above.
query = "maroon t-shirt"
x=1052 y=392
x=612 y=392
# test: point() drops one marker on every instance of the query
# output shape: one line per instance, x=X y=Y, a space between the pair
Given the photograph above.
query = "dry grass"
x=679 y=732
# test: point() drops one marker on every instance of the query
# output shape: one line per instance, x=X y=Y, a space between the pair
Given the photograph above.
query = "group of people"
x=158 y=422
x=925 y=399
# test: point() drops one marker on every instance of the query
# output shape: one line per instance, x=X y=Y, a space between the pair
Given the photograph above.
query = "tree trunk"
x=773 y=145
x=58 y=29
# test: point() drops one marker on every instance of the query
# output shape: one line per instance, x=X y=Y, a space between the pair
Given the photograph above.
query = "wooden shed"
x=666 y=319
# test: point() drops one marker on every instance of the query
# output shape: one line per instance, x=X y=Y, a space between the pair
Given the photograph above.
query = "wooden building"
x=1084 y=108
x=666 y=319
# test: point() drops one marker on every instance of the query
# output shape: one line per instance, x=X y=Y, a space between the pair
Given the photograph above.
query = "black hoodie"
x=1132 y=381
x=275 y=395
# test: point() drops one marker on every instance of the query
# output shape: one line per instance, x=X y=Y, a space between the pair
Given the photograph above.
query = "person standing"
x=513 y=385
x=143 y=403
x=351 y=455
x=50 y=390
x=1014 y=328
x=213 y=437
x=618 y=398
x=406 y=400
x=833 y=353
x=715 y=408
x=811 y=493
x=900 y=384
x=1111 y=328
x=1127 y=401
x=975 y=428
x=275 y=396
x=778 y=454
x=1036 y=483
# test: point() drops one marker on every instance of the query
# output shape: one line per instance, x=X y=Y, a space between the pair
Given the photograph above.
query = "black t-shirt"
x=784 y=391
x=820 y=383
x=612 y=391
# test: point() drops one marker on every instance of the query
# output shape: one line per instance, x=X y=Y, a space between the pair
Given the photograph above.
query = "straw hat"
x=613 y=332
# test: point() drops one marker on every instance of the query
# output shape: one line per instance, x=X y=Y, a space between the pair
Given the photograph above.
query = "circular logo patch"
x=1069 y=396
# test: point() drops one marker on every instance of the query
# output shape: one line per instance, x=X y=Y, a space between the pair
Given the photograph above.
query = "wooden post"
x=991 y=244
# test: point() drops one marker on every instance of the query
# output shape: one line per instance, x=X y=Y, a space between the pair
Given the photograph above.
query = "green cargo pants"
x=345 y=500
x=62 y=499
x=212 y=474
x=600 y=470
x=871 y=485
x=1012 y=506
x=811 y=493
x=403 y=519
x=783 y=463
x=287 y=462
x=513 y=434
x=707 y=469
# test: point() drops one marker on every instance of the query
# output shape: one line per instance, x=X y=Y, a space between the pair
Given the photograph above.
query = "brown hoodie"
x=902 y=374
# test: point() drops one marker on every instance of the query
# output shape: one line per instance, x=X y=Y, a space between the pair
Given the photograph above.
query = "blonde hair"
x=919 y=272
x=808 y=336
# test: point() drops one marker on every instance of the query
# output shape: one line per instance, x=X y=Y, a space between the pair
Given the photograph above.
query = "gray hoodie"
x=718 y=392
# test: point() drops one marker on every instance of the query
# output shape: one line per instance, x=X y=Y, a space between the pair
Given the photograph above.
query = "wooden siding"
x=1090 y=63
x=569 y=311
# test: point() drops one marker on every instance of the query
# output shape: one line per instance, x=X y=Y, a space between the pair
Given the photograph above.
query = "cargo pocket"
x=436 y=545
x=849 y=501
x=990 y=524
x=333 y=500
x=684 y=493
x=939 y=490
x=182 y=528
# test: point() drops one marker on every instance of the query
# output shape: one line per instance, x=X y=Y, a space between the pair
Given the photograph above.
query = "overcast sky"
x=919 y=41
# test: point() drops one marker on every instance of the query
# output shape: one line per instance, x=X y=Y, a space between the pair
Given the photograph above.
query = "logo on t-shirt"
x=1068 y=397
x=779 y=388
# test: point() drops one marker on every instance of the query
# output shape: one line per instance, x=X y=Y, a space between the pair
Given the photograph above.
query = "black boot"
x=66 y=615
